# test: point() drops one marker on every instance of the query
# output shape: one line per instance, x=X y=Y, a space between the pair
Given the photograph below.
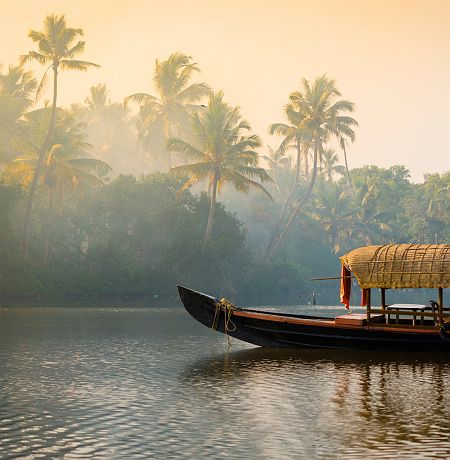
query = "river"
x=151 y=383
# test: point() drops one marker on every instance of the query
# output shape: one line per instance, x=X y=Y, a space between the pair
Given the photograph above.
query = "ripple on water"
x=141 y=383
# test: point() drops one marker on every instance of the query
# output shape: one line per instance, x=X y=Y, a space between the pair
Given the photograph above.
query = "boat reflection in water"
x=333 y=403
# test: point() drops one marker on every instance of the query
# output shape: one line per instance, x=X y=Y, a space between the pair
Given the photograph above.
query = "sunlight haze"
x=392 y=59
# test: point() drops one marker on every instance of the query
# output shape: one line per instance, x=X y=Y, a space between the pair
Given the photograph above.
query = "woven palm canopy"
x=399 y=266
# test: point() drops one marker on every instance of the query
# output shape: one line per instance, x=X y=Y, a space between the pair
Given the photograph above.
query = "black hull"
x=268 y=329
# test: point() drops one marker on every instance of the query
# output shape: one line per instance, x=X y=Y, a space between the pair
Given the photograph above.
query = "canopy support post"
x=383 y=302
x=368 y=306
x=441 y=305
x=383 y=297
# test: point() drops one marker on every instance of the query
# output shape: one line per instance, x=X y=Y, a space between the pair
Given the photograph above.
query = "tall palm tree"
x=58 y=46
x=176 y=99
x=294 y=137
x=224 y=153
x=323 y=116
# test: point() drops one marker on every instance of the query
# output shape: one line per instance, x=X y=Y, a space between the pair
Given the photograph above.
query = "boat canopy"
x=400 y=266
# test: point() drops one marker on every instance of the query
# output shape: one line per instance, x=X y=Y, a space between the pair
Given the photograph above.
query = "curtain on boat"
x=364 y=297
x=346 y=286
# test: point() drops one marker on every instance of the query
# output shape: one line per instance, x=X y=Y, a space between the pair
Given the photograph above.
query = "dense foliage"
x=122 y=204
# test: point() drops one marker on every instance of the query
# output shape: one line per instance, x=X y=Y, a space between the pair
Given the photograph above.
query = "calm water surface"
x=151 y=383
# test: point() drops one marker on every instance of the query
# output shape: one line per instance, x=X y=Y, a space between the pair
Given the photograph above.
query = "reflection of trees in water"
x=349 y=402
x=392 y=403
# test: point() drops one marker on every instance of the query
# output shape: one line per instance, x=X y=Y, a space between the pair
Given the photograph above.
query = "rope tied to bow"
x=227 y=307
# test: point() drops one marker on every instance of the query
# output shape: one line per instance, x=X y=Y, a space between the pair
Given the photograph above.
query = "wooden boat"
x=400 y=326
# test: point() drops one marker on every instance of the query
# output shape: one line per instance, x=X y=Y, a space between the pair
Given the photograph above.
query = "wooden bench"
x=407 y=307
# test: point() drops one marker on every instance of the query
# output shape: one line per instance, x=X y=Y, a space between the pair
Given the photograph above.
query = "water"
x=151 y=383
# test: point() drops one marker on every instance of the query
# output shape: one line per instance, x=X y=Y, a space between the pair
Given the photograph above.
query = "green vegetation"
x=96 y=200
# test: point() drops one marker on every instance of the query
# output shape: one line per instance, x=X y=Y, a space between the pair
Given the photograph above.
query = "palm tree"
x=67 y=163
x=371 y=219
x=323 y=117
x=334 y=211
x=330 y=166
x=18 y=85
x=108 y=124
x=169 y=111
x=225 y=153
x=16 y=89
x=294 y=137
x=57 y=49
x=277 y=160
x=437 y=192
x=67 y=167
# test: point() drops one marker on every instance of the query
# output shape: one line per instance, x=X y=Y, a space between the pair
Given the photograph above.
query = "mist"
x=206 y=161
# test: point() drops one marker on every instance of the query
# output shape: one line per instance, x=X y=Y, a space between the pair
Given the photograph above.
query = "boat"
x=383 y=327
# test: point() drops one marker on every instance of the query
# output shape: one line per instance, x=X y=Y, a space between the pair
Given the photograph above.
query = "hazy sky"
x=390 y=57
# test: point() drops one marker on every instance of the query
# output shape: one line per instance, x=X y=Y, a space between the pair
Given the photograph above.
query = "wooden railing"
x=413 y=314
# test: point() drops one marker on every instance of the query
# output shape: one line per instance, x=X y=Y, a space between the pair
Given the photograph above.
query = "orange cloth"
x=346 y=286
x=364 y=297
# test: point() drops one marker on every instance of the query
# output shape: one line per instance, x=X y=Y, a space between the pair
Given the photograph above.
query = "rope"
x=227 y=307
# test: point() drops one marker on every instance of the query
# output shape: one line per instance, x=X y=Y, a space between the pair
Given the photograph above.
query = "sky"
x=390 y=57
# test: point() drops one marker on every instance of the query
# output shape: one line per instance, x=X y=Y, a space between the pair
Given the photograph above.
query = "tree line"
x=100 y=199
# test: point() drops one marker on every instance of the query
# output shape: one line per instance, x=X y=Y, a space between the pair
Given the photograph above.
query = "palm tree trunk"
x=37 y=171
x=307 y=164
x=300 y=204
x=166 y=140
x=209 y=187
x=47 y=235
x=60 y=199
x=333 y=237
x=348 y=172
x=288 y=199
x=212 y=209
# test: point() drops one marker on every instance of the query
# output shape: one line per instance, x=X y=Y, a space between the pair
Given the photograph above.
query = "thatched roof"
x=398 y=266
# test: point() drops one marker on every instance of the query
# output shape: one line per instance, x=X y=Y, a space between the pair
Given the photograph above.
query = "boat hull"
x=271 y=329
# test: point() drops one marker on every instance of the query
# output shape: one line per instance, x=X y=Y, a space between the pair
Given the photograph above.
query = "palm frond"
x=73 y=64
x=33 y=55
x=91 y=165
x=196 y=172
x=78 y=48
x=242 y=183
x=193 y=93
x=178 y=145
x=254 y=171
x=280 y=129
x=140 y=98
